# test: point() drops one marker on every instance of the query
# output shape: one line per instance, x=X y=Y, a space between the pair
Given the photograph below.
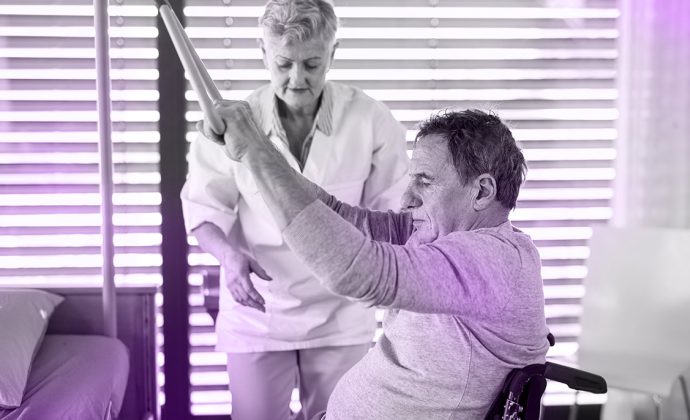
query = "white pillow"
x=24 y=315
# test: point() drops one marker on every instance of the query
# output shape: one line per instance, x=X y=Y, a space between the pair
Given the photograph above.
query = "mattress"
x=74 y=377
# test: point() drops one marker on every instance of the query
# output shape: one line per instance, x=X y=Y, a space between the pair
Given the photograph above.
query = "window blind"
x=49 y=181
x=547 y=67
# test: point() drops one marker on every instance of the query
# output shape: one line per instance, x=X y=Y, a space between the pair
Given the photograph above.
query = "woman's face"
x=298 y=70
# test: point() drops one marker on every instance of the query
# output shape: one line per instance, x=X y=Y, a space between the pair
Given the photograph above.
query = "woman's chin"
x=298 y=102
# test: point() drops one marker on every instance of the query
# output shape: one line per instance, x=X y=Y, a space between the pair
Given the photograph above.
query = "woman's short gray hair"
x=300 y=20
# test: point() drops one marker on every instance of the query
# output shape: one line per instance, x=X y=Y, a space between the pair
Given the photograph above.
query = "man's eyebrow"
x=422 y=174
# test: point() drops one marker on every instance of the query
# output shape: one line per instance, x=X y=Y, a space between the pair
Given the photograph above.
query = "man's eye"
x=310 y=67
x=283 y=66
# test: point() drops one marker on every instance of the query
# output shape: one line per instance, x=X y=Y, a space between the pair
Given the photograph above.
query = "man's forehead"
x=430 y=154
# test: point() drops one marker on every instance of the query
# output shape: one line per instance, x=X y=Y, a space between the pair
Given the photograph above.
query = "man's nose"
x=410 y=199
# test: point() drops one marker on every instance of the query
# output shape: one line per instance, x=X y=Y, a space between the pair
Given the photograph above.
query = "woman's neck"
x=301 y=114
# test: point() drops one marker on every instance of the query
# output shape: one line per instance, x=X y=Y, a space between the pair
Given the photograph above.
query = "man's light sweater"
x=464 y=310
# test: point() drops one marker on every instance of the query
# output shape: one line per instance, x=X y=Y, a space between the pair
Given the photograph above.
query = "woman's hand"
x=237 y=267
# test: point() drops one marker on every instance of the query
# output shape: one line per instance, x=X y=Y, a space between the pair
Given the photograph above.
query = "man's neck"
x=490 y=218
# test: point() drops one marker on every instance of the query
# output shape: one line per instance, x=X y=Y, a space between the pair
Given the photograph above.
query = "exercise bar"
x=105 y=166
x=201 y=81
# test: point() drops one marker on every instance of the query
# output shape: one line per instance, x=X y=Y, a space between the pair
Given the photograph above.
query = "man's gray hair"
x=479 y=143
x=300 y=20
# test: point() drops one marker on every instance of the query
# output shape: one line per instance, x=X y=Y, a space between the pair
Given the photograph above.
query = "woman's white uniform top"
x=357 y=153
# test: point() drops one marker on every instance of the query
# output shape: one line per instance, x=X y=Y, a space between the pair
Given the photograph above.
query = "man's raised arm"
x=285 y=191
x=454 y=275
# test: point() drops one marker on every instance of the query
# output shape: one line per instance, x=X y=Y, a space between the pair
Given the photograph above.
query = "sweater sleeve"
x=464 y=273
x=385 y=226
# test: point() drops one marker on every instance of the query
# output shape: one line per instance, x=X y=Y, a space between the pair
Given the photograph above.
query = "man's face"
x=436 y=197
x=298 y=70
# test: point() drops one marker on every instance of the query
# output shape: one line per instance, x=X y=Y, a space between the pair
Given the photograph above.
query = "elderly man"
x=462 y=285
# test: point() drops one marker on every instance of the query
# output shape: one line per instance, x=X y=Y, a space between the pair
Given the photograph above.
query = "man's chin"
x=421 y=236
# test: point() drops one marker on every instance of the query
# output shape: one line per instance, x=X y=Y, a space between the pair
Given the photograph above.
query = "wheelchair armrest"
x=575 y=378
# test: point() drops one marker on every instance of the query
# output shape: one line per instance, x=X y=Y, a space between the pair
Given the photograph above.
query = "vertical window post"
x=173 y=169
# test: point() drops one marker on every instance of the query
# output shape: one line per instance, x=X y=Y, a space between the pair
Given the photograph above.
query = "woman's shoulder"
x=353 y=98
x=261 y=96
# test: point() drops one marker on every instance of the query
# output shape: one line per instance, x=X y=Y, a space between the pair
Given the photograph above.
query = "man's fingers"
x=229 y=103
x=255 y=268
x=241 y=130
x=201 y=127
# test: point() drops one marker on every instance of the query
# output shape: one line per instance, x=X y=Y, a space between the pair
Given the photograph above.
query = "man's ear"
x=485 y=185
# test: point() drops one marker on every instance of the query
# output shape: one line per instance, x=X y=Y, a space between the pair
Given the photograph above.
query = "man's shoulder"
x=496 y=236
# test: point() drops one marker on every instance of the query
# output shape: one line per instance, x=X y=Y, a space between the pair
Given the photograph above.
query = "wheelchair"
x=520 y=396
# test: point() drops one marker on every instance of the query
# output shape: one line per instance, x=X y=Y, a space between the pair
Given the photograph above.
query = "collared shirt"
x=271 y=124
x=358 y=154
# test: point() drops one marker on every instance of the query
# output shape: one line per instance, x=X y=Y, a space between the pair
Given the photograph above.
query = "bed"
x=76 y=372
x=74 y=377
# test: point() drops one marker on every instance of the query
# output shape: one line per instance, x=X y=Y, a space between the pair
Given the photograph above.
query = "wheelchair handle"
x=576 y=379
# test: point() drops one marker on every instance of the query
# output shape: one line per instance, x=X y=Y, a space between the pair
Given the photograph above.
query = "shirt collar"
x=324 y=118
x=270 y=121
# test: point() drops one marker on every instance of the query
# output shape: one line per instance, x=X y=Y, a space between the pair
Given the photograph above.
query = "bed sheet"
x=74 y=377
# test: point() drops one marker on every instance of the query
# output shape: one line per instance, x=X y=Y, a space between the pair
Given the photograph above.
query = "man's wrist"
x=260 y=150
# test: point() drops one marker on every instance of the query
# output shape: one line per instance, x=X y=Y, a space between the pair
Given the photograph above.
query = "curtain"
x=652 y=184
x=653 y=167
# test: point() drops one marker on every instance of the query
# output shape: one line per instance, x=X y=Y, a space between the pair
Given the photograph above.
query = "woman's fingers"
x=256 y=299
x=243 y=292
x=255 y=268
x=243 y=298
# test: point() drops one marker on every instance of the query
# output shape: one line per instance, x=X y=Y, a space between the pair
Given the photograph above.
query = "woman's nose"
x=296 y=75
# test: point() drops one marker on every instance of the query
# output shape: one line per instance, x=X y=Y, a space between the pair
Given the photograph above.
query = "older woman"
x=279 y=326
